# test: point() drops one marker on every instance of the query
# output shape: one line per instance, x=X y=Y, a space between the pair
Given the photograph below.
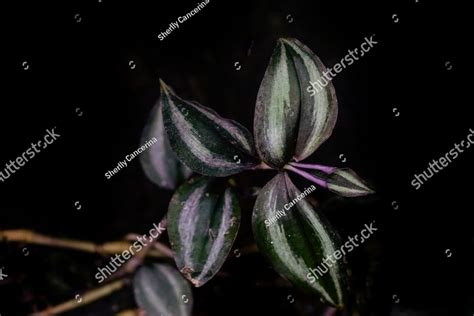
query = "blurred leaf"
x=289 y=122
x=160 y=290
x=204 y=141
x=203 y=221
x=159 y=162
x=298 y=240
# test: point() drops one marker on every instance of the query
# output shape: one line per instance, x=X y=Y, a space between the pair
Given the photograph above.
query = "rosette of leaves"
x=289 y=126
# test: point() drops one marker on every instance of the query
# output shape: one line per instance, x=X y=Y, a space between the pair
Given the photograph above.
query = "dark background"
x=85 y=65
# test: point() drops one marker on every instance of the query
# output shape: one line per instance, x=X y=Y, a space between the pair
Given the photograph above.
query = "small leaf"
x=160 y=290
x=295 y=239
x=346 y=182
x=343 y=181
x=159 y=162
x=289 y=122
x=203 y=221
x=204 y=141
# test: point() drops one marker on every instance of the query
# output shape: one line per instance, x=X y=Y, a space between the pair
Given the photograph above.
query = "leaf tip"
x=196 y=283
x=370 y=191
x=164 y=88
x=354 y=185
x=285 y=40
x=187 y=272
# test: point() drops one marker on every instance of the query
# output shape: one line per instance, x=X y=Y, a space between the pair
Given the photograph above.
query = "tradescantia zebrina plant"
x=289 y=126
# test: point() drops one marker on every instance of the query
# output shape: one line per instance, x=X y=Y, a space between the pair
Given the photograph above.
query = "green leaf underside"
x=344 y=182
x=203 y=221
x=298 y=241
x=289 y=122
x=204 y=141
x=159 y=162
x=161 y=290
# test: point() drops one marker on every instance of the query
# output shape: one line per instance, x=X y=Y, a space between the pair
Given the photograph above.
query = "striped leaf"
x=346 y=182
x=160 y=290
x=343 y=181
x=289 y=122
x=203 y=221
x=204 y=141
x=296 y=239
x=159 y=162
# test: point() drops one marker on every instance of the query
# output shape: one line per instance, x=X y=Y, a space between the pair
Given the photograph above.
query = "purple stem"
x=322 y=168
x=307 y=176
x=330 y=311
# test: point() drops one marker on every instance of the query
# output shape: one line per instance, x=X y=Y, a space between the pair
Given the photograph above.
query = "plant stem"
x=88 y=297
x=130 y=312
x=330 y=311
x=105 y=290
x=262 y=166
x=137 y=260
x=162 y=248
x=30 y=237
x=308 y=176
x=322 y=168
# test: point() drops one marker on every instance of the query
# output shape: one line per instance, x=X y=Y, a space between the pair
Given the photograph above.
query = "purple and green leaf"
x=289 y=123
x=204 y=141
x=343 y=181
x=298 y=241
x=160 y=290
x=203 y=221
x=159 y=162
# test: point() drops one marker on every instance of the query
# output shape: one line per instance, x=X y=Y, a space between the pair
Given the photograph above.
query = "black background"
x=85 y=65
